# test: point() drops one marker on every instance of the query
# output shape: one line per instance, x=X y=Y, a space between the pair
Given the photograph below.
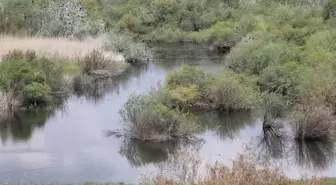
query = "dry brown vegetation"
x=60 y=47
x=313 y=122
x=243 y=171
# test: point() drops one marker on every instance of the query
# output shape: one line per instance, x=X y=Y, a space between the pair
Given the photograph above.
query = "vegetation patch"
x=145 y=118
x=192 y=87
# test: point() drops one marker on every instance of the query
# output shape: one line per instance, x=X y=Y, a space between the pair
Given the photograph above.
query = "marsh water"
x=68 y=143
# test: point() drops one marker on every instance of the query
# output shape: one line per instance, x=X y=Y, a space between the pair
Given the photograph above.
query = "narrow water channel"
x=68 y=144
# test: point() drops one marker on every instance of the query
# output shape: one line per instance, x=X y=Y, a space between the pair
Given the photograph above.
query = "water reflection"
x=140 y=153
x=315 y=155
x=191 y=54
x=96 y=89
x=276 y=145
x=226 y=125
x=19 y=126
x=273 y=143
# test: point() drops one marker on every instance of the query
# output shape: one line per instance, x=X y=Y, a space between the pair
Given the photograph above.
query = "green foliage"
x=189 y=76
x=329 y=10
x=148 y=119
x=273 y=105
x=36 y=93
x=320 y=48
x=282 y=79
x=167 y=33
x=317 y=85
x=30 y=79
x=253 y=56
x=129 y=22
x=191 y=86
x=20 y=16
x=223 y=32
x=133 y=52
x=232 y=91
x=185 y=95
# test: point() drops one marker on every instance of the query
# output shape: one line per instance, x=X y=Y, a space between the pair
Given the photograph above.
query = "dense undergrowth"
x=281 y=59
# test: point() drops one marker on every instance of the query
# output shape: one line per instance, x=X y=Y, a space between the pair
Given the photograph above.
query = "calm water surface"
x=68 y=144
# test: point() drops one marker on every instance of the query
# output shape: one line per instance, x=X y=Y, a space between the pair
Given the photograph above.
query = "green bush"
x=253 y=56
x=273 y=106
x=223 y=32
x=320 y=48
x=130 y=23
x=329 y=10
x=147 y=119
x=232 y=91
x=167 y=33
x=29 y=79
x=282 y=79
x=134 y=52
x=36 y=93
x=317 y=85
x=185 y=94
x=189 y=76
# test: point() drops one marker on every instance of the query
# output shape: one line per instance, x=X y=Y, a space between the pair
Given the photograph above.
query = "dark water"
x=67 y=144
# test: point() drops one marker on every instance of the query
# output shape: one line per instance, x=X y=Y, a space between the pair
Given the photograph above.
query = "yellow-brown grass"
x=60 y=47
x=243 y=171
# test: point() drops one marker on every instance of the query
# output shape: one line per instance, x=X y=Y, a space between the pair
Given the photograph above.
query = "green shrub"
x=53 y=71
x=320 y=48
x=253 y=56
x=147 y=119
x=185 y=94
x=273 y=106
x=36 y=93
x=234 y=92
x=130 y=23
x=167 y=33
x=220 y=33
x=317 y=85
x=189 y=76
x=282 y=79
x=329 y=10
x=134 y=52
x=15 y=75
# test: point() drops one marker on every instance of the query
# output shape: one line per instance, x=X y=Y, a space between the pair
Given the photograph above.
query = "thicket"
x=146 y=118
x=282 y=57
x=27 y=80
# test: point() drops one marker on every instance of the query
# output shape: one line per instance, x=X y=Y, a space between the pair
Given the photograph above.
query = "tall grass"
x=187 y=168
x=93 y=61
x=59 y=46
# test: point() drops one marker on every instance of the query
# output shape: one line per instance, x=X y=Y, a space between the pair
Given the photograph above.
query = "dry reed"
x=60 y=47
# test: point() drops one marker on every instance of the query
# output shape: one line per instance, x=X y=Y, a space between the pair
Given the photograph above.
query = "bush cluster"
x=147 y=118
x=27 y=80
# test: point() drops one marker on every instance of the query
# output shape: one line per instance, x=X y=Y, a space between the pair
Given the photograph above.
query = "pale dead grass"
x=59 y=47
x=185 y=170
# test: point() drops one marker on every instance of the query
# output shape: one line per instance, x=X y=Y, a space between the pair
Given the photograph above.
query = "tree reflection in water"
x=272 y=143
x=226 y=125
x=276 y=145
x=140 y=153
x=316 y=155
x=19 y=125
